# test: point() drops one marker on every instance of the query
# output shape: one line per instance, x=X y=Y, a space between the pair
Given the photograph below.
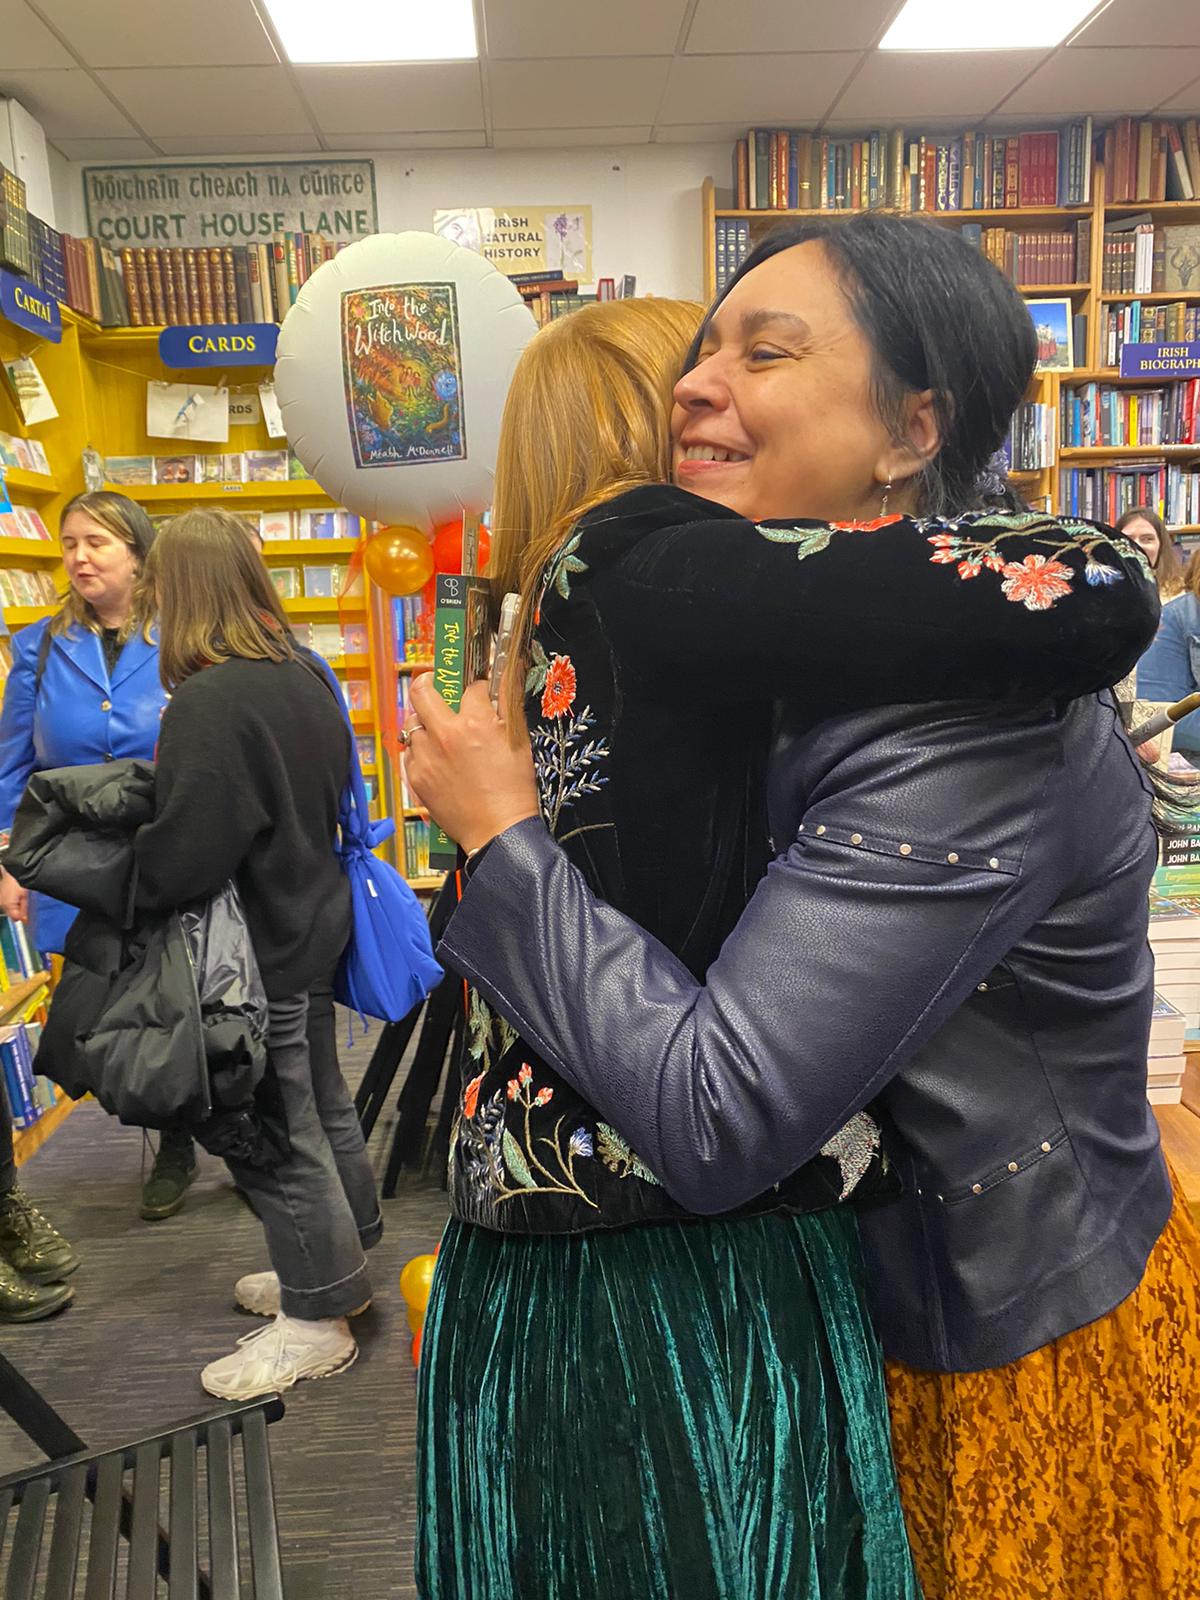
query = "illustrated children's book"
x=402 y=370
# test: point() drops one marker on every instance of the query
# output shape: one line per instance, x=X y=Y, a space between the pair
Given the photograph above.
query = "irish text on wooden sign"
x=229 y=202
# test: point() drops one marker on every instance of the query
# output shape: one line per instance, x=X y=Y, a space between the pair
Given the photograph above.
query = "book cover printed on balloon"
x=402 y=368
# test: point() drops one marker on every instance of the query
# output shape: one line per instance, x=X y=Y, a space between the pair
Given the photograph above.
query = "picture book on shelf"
x=275 y=525
x=320 y=583
x=129 y=471
x=286 y=581
x=266 y=466
x=174 y=469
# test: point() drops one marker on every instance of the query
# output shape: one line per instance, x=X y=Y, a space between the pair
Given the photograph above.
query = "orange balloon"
x=415 y=1282
x=399 y=560
x=447 y=547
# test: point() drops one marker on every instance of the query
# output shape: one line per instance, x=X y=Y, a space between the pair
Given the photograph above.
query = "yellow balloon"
x=415 y=1282
x=399 y=560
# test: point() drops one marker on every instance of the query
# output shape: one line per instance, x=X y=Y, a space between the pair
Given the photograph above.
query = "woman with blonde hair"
x=620 y=1395
x=251 y=714
x=83 y=688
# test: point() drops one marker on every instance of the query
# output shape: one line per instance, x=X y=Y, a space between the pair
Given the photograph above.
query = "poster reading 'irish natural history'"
x=402 y=365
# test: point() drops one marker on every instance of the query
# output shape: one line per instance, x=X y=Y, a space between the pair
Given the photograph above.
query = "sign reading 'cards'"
x=234 y=344
x=229 y=202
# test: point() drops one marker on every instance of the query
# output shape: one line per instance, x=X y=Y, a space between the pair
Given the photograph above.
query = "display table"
x=1181 y=1142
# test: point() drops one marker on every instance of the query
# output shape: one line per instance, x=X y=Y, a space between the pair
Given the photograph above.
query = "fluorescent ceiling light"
x=1015 y=25
x=368 y=31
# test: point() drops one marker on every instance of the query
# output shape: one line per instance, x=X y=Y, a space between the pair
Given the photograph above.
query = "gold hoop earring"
x=884 y=503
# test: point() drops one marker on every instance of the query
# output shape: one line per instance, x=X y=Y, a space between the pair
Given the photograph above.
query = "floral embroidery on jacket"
x=503 y=1154
x=972 y=544
x=566 y=759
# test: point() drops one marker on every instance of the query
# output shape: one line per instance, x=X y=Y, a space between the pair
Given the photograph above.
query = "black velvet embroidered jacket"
x=668 y=631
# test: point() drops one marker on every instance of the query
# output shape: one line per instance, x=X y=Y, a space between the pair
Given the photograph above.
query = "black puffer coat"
x=162 y=1016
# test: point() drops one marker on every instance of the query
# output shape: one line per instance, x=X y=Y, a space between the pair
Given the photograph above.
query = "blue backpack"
x=387 y=967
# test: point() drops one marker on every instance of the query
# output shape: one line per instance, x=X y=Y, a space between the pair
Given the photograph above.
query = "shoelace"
x=23 y=1214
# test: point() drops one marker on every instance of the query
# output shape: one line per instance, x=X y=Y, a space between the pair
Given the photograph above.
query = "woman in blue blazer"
x=84 y=687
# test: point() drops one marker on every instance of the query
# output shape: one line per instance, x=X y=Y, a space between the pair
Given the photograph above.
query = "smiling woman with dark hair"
x=953 y=937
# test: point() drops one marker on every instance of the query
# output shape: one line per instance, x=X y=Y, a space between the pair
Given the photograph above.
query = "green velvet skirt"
x=672 y=1412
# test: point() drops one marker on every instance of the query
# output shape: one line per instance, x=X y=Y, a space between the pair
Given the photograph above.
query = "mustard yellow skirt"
x=1074 y=1473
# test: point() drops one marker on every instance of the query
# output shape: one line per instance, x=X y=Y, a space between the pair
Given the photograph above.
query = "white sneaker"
x=279 y=1356
x=258 y=1293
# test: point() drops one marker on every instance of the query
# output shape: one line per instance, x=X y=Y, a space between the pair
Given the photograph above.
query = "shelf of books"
x=36 y=1105
x=1098 y=230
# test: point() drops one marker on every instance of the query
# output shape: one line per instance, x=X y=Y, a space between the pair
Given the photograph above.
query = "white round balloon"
x=391 y=374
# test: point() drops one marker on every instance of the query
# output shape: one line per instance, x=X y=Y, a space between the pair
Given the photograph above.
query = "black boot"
x=34 y=1249
x=170 y=1178
x=24 y=1301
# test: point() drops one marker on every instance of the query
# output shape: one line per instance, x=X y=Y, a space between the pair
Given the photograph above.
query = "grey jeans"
x=319 y=1208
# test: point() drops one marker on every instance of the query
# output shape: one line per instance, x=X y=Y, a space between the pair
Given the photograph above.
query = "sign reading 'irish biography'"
x=402 y=368
x=229 y=202
x=1160 y=361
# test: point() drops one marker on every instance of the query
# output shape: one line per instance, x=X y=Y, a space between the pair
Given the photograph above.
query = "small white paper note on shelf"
x=184 y=411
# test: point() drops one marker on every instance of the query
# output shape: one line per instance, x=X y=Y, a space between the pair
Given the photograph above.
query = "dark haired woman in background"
x=1144 y=526
x=955 y=934
x=1170 y=669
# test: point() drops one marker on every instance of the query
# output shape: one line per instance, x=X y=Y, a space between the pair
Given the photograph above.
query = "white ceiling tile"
x=105 y=149
x=535 y=29
x=767 y=26
x=910 y=86
x=179 y=101
x=570 y=138
x=1145 y=22
x=1105 y=82
x=394 y=99
x=699 y=133
x=245 y=144
x=161 y=33
x=1186 y=103
x=27 y=41
x=454 y=139
x=66 y=103
x=774 y=91
x=601 y=92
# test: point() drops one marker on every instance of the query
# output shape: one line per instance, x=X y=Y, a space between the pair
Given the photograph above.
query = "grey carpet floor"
x=154 y=1303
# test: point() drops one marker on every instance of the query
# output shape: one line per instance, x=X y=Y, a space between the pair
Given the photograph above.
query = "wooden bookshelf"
x=314 y=607
x=1155 y=297
x=28 y=1141
x=14 y=1002
x=31 y=552
x=428 y=883
x=29 y=485
x=22 y=616
x=1086 y=296
x=262 y=496
x=293 y=549
x=1128 y=452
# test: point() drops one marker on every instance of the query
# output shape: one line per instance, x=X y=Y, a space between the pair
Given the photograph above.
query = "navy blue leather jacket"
x=956 y=933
